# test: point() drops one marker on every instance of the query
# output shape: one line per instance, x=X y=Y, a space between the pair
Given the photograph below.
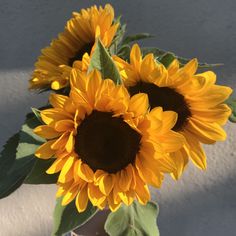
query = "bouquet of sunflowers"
x=119 y=118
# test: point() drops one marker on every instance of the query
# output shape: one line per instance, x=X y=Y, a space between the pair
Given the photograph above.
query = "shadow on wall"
x=210 y=212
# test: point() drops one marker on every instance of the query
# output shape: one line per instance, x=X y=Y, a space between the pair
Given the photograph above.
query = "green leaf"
x=116 y=42
x=156 y=51
x=24 y=159
x=37 y=114
x=38 y=173
x=8 y=155
x=102 y=61
x=45 y=89
x=136 y=37
x=202 y=65
x=159 y=53
x=67 y=218
x=124 y=52
x=167 y=59
x=231 y=102
x=15 y=177
x=120 y=34
x=135 y=220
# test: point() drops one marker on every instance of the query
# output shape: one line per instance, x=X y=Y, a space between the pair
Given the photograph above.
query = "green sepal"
x=67 y=218
x=102 y=61
x=158 y=53
x=231 y=102
x=202 y=65
x=24 y=158
x=44 y=89
x=38 y=173
x=116 y=42
x=167 y=59
x=124 y=52
x=131 y=38
x=37 y=114
x=133 y=220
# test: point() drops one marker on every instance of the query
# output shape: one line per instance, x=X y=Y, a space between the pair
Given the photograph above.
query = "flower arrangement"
x=120 y=117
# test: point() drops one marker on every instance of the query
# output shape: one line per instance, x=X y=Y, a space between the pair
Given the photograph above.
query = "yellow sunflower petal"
x=157 y=113
x=202 y=82
x=63 y=188
x=191 y=67
x=146 y=173
x=195 y=151
x=135 y=56
x=125 y=178
x=206 y=132
x=165 y=164
x=221 y=112
x=81 y=200
x=52 y=115
x=67 y=171
x=64 y=125
x=211 y=98
x=106 y=184
x=46 y=131
x=112 y=205
x=127 y=197
x=93 y=84
x=139 y=104
x=45 y=151
x=169 y=119
x=56 y=166
x=83 y=171
x=172 y=141
x=173 y=67
x=70 y=194
x=57 y=100
x=142 y=192
x=78 y=80
x=180 y=160
x=147 y=66
x=95 y=195
x=60 y=192
x=61 y=141
x=70 y=143
x=58 y=84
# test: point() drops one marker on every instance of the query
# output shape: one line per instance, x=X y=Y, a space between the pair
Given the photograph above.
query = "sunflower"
x=107 y=147
x=196 y=99
x=77 y=39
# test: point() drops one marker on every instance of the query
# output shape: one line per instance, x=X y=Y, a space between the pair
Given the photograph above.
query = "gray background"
x=201 y=203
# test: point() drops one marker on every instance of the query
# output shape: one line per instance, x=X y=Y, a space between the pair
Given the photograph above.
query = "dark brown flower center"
x=167 y=98
x=79 y=55
x=105 y=142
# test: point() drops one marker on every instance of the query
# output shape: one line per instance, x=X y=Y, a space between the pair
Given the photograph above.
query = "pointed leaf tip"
x=102 y=61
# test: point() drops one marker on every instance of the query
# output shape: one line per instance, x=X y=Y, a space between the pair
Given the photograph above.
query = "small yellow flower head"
x=197 y=100
x=77 y=39
x=107 y=146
